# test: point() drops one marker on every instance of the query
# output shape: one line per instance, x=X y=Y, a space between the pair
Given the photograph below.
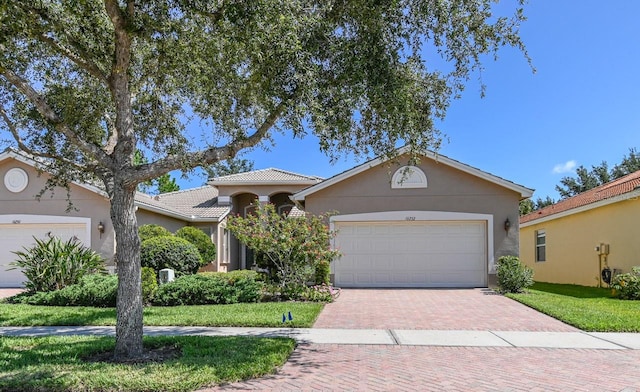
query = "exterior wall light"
x=101 y=228
x=507 y=225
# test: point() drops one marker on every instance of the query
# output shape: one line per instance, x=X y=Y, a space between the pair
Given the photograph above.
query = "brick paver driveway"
x=316 y=367
x=466 y=309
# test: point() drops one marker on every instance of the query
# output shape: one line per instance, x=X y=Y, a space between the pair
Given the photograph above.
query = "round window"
x=16 y=180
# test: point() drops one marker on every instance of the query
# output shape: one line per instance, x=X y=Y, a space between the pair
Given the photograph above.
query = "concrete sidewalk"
x=401 y=337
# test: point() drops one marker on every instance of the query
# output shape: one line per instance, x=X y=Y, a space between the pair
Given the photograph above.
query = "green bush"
x=512 y=275
x=627 y=286
x=323 y=272
x=149 y=231
x=210 y=288
x=92 y=290
x=300 y=292
x=201 y=240
x=149 y=284
x=170 y=252
x=52 y=264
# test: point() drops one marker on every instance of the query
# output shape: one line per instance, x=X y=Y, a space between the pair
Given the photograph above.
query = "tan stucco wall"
x=571 y=241
x=449 y=190
x=151 y=218
x=86 y=204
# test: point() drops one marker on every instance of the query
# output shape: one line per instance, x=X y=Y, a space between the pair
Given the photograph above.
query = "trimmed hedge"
x=210 y=288
x=149 y=231
x=201 y=240
x=170 y=252
x=93 y=290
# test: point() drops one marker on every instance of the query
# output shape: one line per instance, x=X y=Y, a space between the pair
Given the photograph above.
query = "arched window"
x=408 y=177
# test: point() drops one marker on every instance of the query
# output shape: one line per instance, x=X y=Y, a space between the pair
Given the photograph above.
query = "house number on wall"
x=410 y=218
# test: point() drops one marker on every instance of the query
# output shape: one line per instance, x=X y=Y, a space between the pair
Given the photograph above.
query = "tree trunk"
x=129 y=301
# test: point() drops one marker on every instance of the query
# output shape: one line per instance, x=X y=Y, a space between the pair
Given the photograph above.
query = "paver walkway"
x=333 y=367
x=457 y=309
x=401 y=368
x=9 y=292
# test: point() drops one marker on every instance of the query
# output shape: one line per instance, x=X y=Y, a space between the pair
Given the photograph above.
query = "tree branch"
x=119 y=82
x=24 y=147
x=214 y=15
x=83 y=63
x=211 y=155
x=51 y=117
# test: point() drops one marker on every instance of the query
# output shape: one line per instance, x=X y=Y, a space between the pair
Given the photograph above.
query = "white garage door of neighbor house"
x=14 y=237
x=411 y=254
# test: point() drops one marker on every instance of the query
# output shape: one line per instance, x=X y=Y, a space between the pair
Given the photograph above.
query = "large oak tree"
x=85 y=83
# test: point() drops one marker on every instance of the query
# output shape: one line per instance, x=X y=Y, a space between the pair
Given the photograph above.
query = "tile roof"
x=296 y=213
x=618 y=187
x=270 y=175
x=197 y=203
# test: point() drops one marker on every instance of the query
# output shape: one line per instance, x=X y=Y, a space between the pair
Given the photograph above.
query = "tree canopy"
x=599 y=174
x=586 y=179
x=229 y=166
x=87 y=83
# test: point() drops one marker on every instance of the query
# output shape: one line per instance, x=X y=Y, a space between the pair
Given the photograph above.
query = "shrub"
x=323 y=272
x=201 y=240
x=149 y=231
x=52 y=264
x=210 y=288
x=170 y=252
x=291 y=245
x=92 y=290
x=149 y=284
x=299 y=292
x=627 y=286
x=513 y=276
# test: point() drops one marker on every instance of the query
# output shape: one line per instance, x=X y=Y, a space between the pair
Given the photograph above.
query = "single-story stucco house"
x=573 y=240
x=440 y=223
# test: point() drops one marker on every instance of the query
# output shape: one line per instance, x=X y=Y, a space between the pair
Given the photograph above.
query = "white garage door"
x=411 y=254
x=15 y=236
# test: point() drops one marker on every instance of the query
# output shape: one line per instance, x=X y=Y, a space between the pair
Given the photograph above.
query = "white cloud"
x=564 y=167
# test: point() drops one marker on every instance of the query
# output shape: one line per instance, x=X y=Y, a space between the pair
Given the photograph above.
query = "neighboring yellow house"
x=573 y=240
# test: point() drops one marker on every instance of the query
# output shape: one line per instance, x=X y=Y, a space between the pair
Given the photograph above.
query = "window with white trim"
x=408 y=177
x=541 y=245
x=226 y=242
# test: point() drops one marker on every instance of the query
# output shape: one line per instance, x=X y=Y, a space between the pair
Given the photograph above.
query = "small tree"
x=293 y=245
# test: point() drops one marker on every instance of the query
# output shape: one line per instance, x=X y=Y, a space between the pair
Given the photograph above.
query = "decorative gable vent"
x=408 y=177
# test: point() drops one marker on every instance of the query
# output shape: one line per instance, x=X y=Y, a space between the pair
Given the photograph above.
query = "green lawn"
x=588 y=308
x=58 y=364
x=264 y=314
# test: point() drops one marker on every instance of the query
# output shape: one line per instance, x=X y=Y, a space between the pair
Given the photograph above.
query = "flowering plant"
x=294 y=246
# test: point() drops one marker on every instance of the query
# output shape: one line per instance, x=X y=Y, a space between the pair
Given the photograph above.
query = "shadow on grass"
x=56 y=363
x=30 y=315
x=571 y=290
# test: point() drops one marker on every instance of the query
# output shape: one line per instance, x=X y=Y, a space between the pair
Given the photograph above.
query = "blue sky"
x=581 y=107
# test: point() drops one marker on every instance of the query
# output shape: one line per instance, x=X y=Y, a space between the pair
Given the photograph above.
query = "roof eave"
x=177 y=215
x=632 y=195
x=253 y=183
x=522 y=190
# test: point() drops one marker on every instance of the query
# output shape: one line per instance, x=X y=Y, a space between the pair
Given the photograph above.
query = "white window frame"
x=541 y=234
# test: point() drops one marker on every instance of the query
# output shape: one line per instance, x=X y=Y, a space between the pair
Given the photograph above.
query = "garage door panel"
x=411 y=254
